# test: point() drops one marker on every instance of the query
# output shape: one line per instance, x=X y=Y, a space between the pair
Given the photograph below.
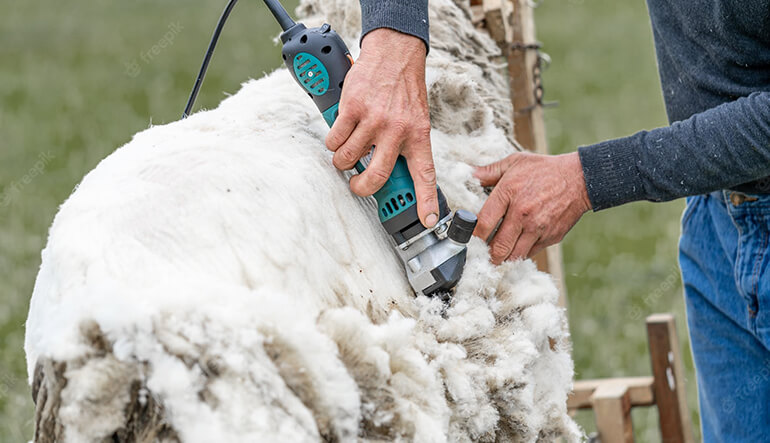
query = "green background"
x=78 y=78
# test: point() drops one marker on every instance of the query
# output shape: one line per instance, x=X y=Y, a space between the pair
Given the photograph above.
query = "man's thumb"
x=490 y=174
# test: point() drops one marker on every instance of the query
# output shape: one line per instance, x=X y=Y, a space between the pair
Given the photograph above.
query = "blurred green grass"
x=79 y=78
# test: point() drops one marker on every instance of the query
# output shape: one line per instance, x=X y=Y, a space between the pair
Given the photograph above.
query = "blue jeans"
x=723 y=255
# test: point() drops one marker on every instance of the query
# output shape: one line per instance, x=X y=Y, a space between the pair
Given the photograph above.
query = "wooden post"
x=497 y=15
x=668 y=371
x=523 y=56
x=612 y=408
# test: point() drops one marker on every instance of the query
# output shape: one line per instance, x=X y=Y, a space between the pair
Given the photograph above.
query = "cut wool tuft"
x=216 y=280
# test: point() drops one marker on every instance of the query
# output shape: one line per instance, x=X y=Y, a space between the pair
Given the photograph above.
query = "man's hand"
x=539 y=199
x=385 y=103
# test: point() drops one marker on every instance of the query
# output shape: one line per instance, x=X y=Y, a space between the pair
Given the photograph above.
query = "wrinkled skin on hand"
x=385 y=103
x=539 y=198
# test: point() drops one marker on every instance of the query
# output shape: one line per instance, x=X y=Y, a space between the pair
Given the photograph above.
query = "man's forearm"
x=407 y=16
x=720 y=148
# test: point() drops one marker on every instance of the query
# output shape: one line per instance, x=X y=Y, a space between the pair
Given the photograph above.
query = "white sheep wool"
x=215 y=280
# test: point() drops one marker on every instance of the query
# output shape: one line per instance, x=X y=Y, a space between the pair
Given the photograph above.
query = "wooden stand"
x=613 y=398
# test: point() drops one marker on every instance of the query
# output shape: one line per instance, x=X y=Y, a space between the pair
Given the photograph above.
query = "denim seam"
x=737 y=265
x=757 y=267
x=738 y=268
x=740 y=265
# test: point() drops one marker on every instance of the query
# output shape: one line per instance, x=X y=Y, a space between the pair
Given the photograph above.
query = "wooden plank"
x=640 y=391
x=612 y=407
x=668 y=370
x=529 y=125
x=550 y=260
x=477 y=13
x=497 y=16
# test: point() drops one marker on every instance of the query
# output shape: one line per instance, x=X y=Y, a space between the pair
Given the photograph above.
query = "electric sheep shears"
x=319 y=60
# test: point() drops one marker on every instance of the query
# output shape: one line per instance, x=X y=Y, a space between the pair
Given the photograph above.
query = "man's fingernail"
x=431 y=220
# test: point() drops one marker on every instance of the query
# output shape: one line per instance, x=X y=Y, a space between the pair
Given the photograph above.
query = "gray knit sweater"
x=407 y=16
x=714 y=64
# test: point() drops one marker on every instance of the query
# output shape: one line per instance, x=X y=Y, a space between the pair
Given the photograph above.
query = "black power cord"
x=207 y=57
x=280 y=15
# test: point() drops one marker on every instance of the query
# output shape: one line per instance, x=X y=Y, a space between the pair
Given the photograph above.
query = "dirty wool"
x=215 y=280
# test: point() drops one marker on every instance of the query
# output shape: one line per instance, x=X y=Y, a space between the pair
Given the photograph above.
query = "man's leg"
x=733 y=366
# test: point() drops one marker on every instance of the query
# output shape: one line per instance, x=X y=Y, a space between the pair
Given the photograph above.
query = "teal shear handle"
x=397 y=195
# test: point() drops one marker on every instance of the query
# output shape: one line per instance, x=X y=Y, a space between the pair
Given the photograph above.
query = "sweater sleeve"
x=719 y=148
x=407 y=16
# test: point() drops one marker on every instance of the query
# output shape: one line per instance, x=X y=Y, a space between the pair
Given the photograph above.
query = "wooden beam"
x=523 y=56
x=612 y=407
x=640 y=391
x=497 y=16
x=668 y=371
x=550 y=260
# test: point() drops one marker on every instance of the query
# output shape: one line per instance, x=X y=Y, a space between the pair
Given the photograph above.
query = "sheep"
x=192 y=289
